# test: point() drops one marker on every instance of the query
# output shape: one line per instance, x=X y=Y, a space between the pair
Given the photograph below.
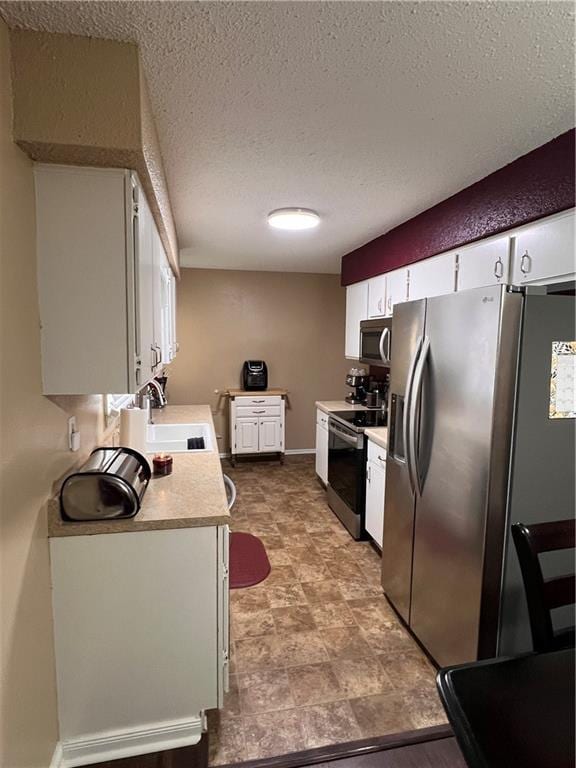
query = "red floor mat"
x=249 y=562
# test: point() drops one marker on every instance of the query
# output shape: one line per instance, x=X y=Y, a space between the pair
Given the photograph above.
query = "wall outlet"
x=73 y=434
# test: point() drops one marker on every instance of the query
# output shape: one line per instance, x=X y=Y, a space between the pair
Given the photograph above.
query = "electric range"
x=346 y=490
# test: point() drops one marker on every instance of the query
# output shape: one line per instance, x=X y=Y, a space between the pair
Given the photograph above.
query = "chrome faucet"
x=161 y=397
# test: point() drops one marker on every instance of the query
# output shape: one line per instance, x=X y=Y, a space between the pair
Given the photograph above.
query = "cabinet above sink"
x=106 y=292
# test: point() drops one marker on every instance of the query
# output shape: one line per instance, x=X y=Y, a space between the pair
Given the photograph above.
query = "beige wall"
x=33 y=454
x=293 y=321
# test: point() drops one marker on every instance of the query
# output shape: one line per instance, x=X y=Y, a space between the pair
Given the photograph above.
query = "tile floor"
x=318 y=656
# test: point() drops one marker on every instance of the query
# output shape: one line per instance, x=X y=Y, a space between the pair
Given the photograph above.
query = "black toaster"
x=254 y=375
x=110 y=485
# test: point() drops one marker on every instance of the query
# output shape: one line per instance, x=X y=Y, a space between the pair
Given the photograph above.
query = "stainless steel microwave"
x=376 y=341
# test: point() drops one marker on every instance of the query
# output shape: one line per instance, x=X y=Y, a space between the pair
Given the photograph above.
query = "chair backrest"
x=543 y=595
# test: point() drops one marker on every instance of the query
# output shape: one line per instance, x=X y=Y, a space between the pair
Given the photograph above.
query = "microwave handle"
x=385 y=337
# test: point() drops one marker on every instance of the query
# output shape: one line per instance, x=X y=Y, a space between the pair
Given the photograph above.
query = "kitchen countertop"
x=192 y=496
x=378 y=435
x=328 y=406
x=256 y=392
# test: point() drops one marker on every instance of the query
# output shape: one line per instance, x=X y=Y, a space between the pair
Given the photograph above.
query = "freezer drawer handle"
x=413 y=458
x=407 y=409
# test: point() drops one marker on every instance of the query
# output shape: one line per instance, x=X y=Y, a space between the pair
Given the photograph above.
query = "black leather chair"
x=543 y=595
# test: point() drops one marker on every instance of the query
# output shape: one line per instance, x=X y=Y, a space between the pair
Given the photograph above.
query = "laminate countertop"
x=329 y=406
x=378 y=435
x=192 y=496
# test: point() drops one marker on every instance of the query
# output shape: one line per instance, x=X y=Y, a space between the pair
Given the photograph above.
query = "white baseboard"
x=56 y=761
x=128 y=742
x=288 y=452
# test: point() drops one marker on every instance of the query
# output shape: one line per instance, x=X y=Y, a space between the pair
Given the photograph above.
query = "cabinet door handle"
x=382 y=458
x=159 y=353
x=526 y=260
x=379 y=305
x=155 y=360
x=499 y=269
x=256 y=402
x=259 y=411
x=389 y=303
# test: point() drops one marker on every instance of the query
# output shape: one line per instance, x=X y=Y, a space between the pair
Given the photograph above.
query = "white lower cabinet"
x=257 y=424
x=246 y=435
x=356 y=311
x=432 y=277
x=375 y=490
x=269 y=435
x=544 y=253
x=141 y=638
x=322 y=445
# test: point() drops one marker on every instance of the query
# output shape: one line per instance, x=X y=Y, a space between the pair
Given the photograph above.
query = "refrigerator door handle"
x=407 y=409
x=413 y=421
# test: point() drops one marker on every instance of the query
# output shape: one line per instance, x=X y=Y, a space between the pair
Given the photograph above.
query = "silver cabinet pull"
x=389 y=304
x=256 y=402
x=264 y=411
x=382 y=458
x=499 y=269
x=526 y=263
x=379 y=305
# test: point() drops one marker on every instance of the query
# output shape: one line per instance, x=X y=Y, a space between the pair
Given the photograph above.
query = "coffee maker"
x=359 y=380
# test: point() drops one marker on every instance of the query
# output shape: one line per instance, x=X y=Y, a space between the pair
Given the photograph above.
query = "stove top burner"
x=362 y=419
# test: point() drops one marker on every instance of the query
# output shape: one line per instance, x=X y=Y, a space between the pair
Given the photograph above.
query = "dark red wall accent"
x=537 y=184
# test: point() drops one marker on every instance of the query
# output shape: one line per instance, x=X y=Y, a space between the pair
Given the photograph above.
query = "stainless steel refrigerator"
x=472 y=449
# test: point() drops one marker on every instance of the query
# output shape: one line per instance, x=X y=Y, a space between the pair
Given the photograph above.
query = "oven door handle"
x=343 y=436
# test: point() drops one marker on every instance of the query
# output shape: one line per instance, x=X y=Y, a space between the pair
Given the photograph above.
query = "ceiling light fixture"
x=293 y=218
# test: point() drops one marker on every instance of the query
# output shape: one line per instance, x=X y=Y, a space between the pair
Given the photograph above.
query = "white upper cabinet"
x=544 y=253
x=396 y=289
x=98 y=282
x=432 y=277
x=484 y=264
x=377 y=296
x=356 y=311
x=144 y=280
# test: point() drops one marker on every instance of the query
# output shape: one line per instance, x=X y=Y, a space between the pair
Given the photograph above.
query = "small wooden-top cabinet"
x=257 y=424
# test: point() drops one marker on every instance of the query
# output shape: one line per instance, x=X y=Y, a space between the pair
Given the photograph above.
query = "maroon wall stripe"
x=537 y=184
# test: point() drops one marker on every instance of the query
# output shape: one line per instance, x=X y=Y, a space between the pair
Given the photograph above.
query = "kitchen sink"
x=179 y=438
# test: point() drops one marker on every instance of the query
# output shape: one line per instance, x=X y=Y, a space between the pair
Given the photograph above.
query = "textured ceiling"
x=368 y=112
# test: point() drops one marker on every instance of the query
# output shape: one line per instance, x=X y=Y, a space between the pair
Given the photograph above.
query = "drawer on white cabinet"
x=258 y=401
x=376 y=454
x=254 y=410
